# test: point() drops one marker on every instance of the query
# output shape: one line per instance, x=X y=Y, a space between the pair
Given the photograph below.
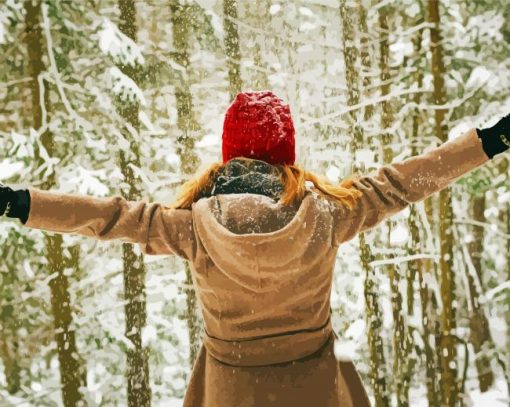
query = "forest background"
x=104 y=98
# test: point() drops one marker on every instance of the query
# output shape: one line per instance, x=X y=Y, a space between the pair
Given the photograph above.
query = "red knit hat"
x=258 y=125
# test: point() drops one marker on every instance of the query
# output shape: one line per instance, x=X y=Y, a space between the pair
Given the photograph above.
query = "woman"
x=262 y=245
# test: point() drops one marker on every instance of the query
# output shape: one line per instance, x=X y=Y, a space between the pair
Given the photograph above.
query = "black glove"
x=14 y=204
x=496 y=139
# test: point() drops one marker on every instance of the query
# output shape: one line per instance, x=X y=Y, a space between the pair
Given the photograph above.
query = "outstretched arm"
x=394 y=186
x=158 y=229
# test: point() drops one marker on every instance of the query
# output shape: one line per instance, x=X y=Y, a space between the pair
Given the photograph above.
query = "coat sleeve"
x=156 y=228
x=393 y=187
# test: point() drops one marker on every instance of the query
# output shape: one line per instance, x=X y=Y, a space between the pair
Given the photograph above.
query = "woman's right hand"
x=14 y=204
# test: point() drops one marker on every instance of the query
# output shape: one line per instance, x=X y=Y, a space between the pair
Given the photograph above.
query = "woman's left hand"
x=496 y=139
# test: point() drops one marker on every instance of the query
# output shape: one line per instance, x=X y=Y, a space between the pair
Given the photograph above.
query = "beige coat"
x=263 y=273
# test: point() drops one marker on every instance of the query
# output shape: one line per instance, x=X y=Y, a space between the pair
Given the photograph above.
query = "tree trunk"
x=504 y=218
x=507 y=311
x=480 y=335
x=365 y=57
x=419 y=268
x=350 y=54
x=401 y=340
x=373 y=312
x=189 y=160
x=9 y=338
x=257 y=15
x=232 y=47
x=137 y=373
x=448 y=354
x=430 y=312
x=72 y=372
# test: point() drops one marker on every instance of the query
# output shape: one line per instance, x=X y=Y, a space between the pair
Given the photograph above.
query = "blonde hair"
x=293 y=179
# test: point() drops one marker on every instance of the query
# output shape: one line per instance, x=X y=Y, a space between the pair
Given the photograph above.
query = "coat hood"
x=258 y=242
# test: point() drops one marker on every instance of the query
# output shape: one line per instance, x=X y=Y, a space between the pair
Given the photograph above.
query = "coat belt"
x=268 y=350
